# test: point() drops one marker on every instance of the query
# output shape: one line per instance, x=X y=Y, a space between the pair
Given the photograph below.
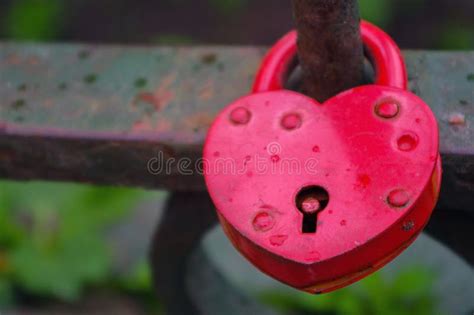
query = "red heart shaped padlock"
x=321 y=195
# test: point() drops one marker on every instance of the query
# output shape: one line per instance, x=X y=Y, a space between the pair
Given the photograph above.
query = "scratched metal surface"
x=98 y=114
x=121 y=89
x=135 y=89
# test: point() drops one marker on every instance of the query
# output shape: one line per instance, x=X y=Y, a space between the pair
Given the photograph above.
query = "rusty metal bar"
x=329 y=46
x=184 y=278
x=187 y=218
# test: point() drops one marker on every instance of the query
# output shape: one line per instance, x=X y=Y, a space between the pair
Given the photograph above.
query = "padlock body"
x=373 y=150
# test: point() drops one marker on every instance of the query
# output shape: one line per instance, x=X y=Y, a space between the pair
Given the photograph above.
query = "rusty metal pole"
x=329 y=46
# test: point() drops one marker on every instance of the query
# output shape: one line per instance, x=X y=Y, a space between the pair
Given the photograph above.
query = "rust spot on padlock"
x=457 y=119
x=408 y=226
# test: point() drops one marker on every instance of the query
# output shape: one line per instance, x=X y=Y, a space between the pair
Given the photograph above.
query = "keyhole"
x=310 y=201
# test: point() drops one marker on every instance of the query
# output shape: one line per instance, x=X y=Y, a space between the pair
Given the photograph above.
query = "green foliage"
x=6 y=295
x=139 y=279
x=228 y=6
x=410 y=292
x=34 y=19
x=139 y=284
x=60 y=270
x=51 y=236
x=456 y=36
x=379 y=12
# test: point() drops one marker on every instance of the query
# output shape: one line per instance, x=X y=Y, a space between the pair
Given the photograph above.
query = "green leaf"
x=279 y=300
x=61 y=272
x=411 y=292
x=416 y=281
x=139 y=280
x=55 y=235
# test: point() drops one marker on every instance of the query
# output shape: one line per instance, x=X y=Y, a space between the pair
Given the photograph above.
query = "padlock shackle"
x=384 y=53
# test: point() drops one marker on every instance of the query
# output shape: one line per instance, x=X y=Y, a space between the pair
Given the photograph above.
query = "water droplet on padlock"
x=398 y=198
x=240 y=116
x=263 y=222
x=387 y=109
x=291 y=121
x=407 y=142
x=278 y=240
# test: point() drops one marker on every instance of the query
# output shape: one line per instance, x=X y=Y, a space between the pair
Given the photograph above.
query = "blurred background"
x=427 y=24
x=77 y=249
